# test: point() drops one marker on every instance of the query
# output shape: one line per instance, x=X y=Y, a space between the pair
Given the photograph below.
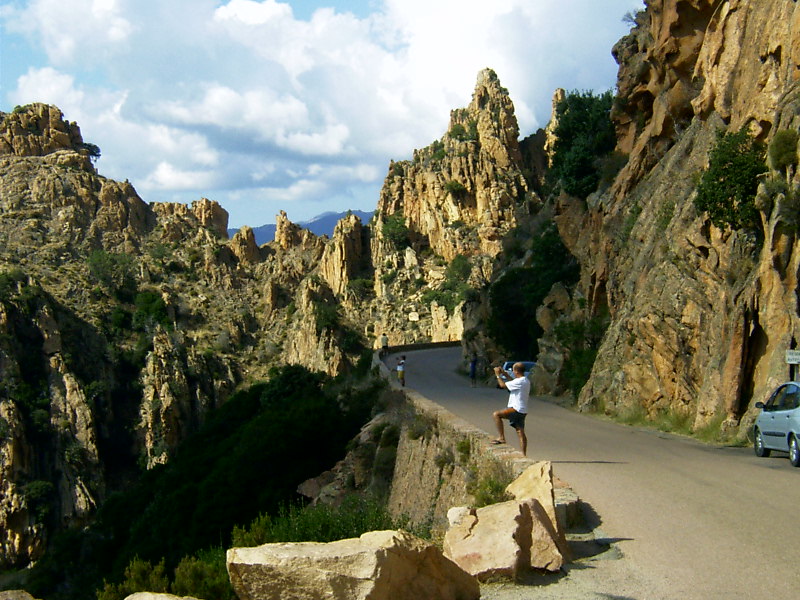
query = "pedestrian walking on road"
x=401 y=370
x=519 y=388
x=473 y=369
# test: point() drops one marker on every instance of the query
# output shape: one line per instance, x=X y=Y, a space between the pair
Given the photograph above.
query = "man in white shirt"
x=519 y=388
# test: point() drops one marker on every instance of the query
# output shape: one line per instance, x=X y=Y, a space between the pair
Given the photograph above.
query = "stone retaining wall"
x=443 y=461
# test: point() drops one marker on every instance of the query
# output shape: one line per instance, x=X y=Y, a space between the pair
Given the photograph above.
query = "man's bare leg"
x=523 y=441
x=498 y=421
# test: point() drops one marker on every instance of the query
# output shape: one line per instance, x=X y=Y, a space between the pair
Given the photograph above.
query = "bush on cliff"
x=584 y=133
x=727 y=188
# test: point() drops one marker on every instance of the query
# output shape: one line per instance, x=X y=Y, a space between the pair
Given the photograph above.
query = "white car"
x=777 y=426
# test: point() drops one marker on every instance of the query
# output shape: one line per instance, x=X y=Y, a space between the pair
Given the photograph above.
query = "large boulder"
x=379 y=564
x=536 y=484
x=490 y=542
x=504 y=539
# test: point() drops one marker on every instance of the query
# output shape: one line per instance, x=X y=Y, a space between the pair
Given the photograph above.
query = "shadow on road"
x=588 y=545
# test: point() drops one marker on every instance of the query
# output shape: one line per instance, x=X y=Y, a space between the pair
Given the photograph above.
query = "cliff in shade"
x=123 y=323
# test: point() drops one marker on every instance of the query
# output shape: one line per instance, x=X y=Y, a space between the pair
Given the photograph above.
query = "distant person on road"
x=473 y=369
x=519 y=388
x=401 y=370
x=384 y=341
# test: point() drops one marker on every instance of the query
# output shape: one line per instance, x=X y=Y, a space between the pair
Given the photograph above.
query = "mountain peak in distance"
x=322 y=224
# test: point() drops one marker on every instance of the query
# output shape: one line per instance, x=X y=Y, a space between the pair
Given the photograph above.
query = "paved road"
x=691 y=520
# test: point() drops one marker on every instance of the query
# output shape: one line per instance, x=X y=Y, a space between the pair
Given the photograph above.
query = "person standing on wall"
x=519 y=388
x=384 y=341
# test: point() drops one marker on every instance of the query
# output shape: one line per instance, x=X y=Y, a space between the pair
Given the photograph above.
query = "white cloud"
x=261 y=112
x=330 y=141
x=71 y=31
x=250 y=12
x=169 y=177
x=243 y=101
x=49 y=86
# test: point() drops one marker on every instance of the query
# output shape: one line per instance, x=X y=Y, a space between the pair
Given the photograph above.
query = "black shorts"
x=517 y=420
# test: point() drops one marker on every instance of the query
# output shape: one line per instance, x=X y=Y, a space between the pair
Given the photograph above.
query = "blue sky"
x=298 y=106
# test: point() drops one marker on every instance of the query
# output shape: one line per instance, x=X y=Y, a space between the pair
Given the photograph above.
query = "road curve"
x=691 y=520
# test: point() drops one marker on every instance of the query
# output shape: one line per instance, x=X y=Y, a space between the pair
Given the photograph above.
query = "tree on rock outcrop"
x=728 y=187
x=584 y=134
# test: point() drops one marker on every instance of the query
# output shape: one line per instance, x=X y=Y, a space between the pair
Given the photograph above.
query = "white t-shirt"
x=518 y=391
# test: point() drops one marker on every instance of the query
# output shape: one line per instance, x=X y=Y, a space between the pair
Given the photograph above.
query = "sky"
x=298 y=106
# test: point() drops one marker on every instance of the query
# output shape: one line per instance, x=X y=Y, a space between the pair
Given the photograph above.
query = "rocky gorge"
x=109 y=362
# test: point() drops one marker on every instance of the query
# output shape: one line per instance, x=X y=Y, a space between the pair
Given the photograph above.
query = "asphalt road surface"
x=690 y=520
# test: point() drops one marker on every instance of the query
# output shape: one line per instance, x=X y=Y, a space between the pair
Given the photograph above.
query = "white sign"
x=793 y=357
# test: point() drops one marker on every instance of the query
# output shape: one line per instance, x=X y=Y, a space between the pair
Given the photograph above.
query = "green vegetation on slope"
x=247 y=459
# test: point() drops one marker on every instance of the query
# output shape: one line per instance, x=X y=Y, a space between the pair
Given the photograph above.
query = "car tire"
x=758 y=445
x=794 y=451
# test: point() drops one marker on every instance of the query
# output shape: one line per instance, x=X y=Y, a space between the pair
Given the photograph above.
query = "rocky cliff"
x=700 y=316
x=123 y=323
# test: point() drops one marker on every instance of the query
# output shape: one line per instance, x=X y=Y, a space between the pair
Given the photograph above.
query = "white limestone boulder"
x=490 y=542
x=379 y=564
x=536 y=483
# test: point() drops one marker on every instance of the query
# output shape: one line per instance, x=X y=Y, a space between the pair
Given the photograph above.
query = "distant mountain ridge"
x=322 y=224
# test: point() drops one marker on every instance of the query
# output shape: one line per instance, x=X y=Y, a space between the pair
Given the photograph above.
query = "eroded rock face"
x=379 y=564
x=38 y=130
x=700 y=317
x=467 y=200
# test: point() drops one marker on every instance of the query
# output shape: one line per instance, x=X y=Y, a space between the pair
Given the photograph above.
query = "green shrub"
x=459 y=269
x=464 y=449
x=318 y=523
x=93 y=150
x=420 y=427
x=9 y=282
x=454 y=289
x=490 y=489
x=38 y=496
x=326 y=316
x=437 y=151
x=140 y=576
x=350 y=341
x=782 y=150
x=396 y=232
x=728 y=187
x=608 y=166
x=458 y=132
x=444 y=458
x=151 y=310
x=115 y=272
x=580 y=338
x=456 y=188
x=204 y=576
x=584 y=133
